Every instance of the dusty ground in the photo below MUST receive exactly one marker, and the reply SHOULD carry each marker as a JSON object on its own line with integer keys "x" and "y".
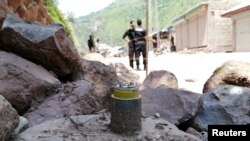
{"x": 191, "y": 70}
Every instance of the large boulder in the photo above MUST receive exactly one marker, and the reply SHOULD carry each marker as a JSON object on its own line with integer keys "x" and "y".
{"x": 95, "y": 57}
{"x": 175, "y": 106}
{"x": 96, "y": 73}
{"x": 125, "y": 76}
{"x": 78, "y": 98}
{"x": 160, "y": 78}
{"x": 8, "y": 118}
{"x": 230, "y": 73}
{"x": 226, "y": 105}
{"x": 45, "y": 45}
{"x": 96, "y": 128}
{"x": 23, "y": 83}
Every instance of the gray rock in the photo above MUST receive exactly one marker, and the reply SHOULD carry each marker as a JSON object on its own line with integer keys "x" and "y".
{"x": 202, "y": 135}
{"x": 78, "y": 98}
{"x": 160, "y": 126}
{"x": 96, "y": 73}
{"x": 124, "y": 75}
{"x": 175, "y": 106}
{"x": 23, "y": 124}
{"x": 143, "y": 114}
{"x": 226, "y": 105}
{"x": 230, "y": 73}
{"x": 23, "y": 83}
{"x": 86, "y": 128}
{"x": 8, "y": 118}
{"x": 46, "y": 45}
{"x": 160, "y": 78}
{"x": 157, "y": 115}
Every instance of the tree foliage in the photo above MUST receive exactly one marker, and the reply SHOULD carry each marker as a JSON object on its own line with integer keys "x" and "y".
{"x": 57, "y": 17}
{"x": 110, "y": 23}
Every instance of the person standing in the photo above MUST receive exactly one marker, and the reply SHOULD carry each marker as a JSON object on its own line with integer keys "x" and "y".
{"x": 140, "y": 44}
{"x": 129, "y": 37}
{"x": 91, "y": 44}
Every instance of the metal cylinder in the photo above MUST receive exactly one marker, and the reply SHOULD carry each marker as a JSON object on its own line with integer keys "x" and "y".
{"x": 126, "y": 111}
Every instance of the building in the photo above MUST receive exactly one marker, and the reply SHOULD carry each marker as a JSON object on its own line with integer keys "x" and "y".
{"x": 240, "y": 15}
{"x": 202, "y": 27}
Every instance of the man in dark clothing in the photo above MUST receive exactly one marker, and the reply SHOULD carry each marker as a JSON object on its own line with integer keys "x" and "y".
{"x": 91, "y": 43}
{"x": 129, "y": 37}
{"x": 140, "y": 44}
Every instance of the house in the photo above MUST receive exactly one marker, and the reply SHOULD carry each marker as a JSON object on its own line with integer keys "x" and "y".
{"x": 202, "y": 27}
{"x": 240, "y": 15}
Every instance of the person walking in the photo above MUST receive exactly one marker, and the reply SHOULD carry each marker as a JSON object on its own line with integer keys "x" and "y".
{"x": 129, "y": 37}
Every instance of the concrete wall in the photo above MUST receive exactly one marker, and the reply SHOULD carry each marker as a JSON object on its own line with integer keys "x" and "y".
{"x": 204, "y": 27}
{"x": 220, "y": 29}
{"x": 192, "y": 33}
{"x": 182, "y": 36}
{"x": 242, "y": 32}
{"x": 178, "y": 29}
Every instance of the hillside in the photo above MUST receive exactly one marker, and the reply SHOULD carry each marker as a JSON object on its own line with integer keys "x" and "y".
{"x": 110, "y": 23}
{"x": 57, "y": 17}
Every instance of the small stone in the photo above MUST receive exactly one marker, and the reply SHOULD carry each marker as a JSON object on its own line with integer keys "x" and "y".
{"x": 139, "y": 138}
{"x": 65, "y": 135}
{"x": 149, "y": 138}
{"x": 159, "y": 126}
{"x": 103, "y": 118}
{"x": 23, "y": 124}
{"x": 104, "y": 129}
{"x": 163, "y": 124}
{"x": 190, "y": 80}
{"x": 157, "y": 115}
{"x": 157, "y": 136}
{"x": 143, "y": 114}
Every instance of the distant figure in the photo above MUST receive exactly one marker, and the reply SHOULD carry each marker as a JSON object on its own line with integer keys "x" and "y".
{"x": 140, "y": 44}
{"x": 91, "y": 44}
{"x": 173, "y": 48}
{"x": 97, "y": 46}
{"x": 129, "y": 37}
{"x": 155, "y": 42}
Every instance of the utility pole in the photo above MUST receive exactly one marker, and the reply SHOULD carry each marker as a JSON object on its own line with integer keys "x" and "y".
{"x": 147, "y": 41}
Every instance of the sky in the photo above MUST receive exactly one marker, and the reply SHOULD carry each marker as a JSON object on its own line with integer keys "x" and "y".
{"x": 82, "y": 7}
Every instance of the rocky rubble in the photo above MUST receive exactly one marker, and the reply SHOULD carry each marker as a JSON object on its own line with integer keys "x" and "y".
{"x": 23, "y": 83}
{"x": 160, "y": 78}
{"x": 226, "y": 105}
{"x": 175, "y": 106}
{"x": 8, "y": 119}
{"x": 46, "y": 80}
{"x": 95, "y": 127}
{"x": 77, "y": 98}
{"x": 51, "y": 48}
{"x": 230, "y": 73}
{"x": 125, "y": 76}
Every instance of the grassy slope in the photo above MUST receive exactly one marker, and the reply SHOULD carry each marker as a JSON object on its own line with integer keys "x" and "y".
{"x": 58, "y": 17}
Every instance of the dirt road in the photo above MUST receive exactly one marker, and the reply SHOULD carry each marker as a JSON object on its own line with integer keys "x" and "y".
{"x": 191, "y": 70}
